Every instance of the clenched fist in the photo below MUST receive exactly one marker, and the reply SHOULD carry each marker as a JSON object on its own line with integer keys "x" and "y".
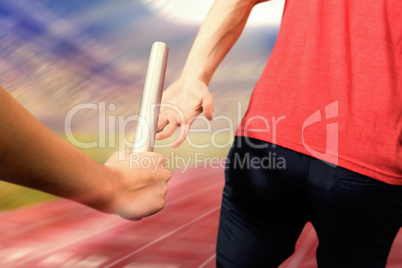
{"x": 138, "y": 184}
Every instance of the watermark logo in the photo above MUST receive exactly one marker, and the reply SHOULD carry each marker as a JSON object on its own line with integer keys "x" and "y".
{"x": 332, "y": 139}
{"x": 271, "y": 161}
{"x": 108, "y": 124}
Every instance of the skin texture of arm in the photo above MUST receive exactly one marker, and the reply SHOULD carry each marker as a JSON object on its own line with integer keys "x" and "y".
{"x": 33, "y": 156}
{"x": 189, "y": 95}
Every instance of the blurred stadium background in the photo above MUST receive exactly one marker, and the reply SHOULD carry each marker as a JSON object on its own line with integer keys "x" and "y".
{"x": 55, "y": 55}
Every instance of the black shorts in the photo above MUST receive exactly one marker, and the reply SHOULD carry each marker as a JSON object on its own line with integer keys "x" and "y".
{"x": 270, "y": 194}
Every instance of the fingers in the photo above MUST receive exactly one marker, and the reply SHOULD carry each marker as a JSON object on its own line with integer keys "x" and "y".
{"x": 150, "y": 198}
{"x": 182, "y": 136}
{"x": 208, "y": 105}
{"x": 146, "y": 203}
{"x": 162, "y": 122}
{"x": 137, "y": 184}
{"x": 167, "y": 131}
{"x": 142, "y": 189}
{"x": 170, "y": 118}
{"x": 155, "y": 167}
{"x": 164, "y": 173}
{"x": 183, "y": 101}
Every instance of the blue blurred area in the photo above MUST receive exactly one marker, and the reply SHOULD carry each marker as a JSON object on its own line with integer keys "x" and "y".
{"x": 57, "y": 54}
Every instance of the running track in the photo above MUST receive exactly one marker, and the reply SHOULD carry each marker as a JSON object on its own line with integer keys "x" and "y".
{"x": 66, "y": 234}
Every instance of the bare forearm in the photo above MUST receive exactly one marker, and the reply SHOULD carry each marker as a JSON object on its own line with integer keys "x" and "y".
{"x": 220, "y": 30}
{"x": 33, "y": 156}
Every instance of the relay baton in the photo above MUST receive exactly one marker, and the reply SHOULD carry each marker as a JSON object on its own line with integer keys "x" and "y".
{"x": 148, "y": 115}
{"x": 147, "y": 121}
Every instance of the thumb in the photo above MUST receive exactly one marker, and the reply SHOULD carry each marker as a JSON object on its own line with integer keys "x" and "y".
{"x": 208, "y": 105}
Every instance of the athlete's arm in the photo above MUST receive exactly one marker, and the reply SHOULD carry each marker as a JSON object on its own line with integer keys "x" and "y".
{"x": 221, "y": 28}
{"x": 33, "y": 156}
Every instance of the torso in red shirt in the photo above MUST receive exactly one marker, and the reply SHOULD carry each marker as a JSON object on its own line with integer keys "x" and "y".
{"x": 332, "y": 87}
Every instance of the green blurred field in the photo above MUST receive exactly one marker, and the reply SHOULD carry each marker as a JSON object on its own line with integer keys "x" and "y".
{"x": 213, "y": 148}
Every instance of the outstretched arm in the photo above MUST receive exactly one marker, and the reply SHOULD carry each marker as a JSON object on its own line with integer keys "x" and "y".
{"x": 189, "y": 95}
{"x": 33, "y": 156}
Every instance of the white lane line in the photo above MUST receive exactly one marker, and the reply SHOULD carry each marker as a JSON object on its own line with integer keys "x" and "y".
{"x": 207, "y": 261}
{"x": 304, "y": 247}
{"x": 162, "y": 237}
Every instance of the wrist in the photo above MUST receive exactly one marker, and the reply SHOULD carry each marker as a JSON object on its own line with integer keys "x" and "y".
{"x": 102, "y": 196}
{"x": 196, "y": 72}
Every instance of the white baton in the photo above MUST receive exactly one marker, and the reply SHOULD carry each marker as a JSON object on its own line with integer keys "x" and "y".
{"x": 147, "y": 121}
